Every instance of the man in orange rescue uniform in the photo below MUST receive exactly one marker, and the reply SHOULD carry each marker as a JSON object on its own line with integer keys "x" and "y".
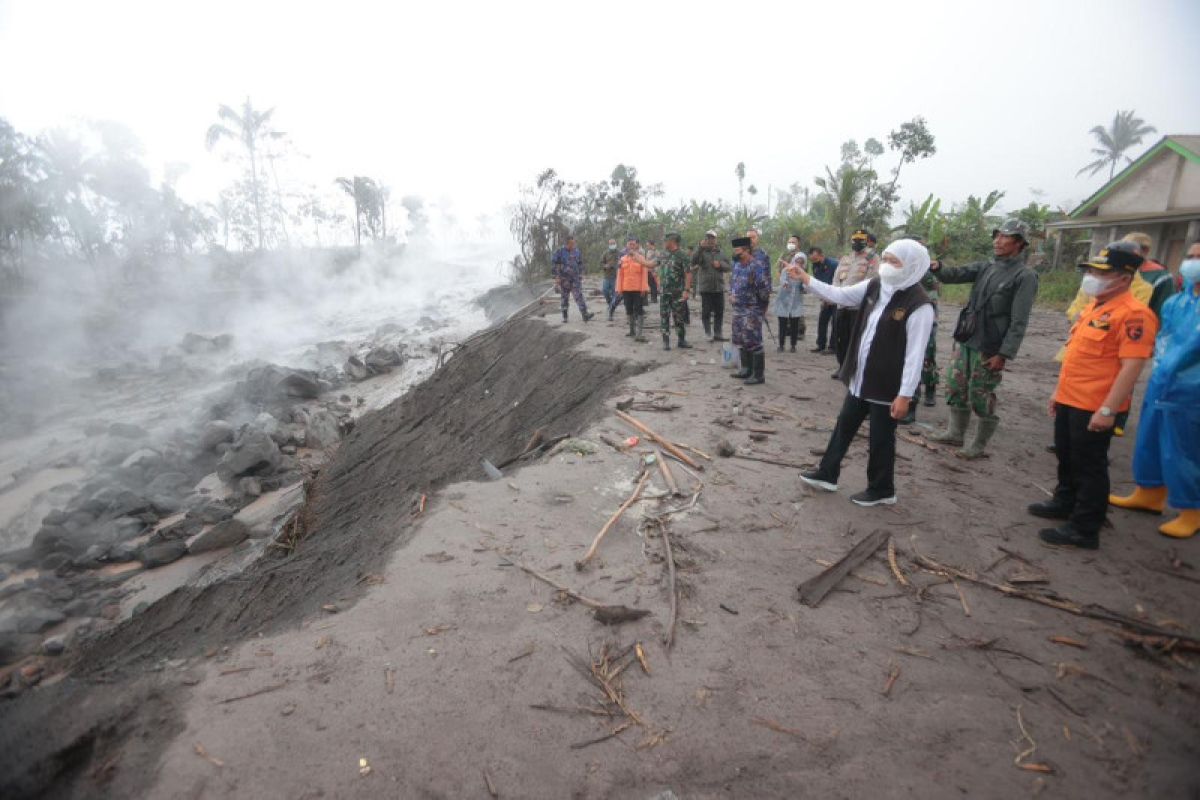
{"x": 1107, "y": 348}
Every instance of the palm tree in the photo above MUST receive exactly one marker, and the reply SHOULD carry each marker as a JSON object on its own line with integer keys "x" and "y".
{"x": 364, "y": 193}
{"x": 740, "y": 171}
{"x": 1126, "y": 132}
{"x": 842, "y": 193}
{"x": 250, "y": 127}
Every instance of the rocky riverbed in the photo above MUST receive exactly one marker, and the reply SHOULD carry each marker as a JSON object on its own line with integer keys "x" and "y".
{"x": 168, "y": 464}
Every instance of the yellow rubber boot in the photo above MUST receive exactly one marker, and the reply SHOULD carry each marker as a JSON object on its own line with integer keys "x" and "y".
{"x": 1183, "y": 526}
{"x": 1142, "y": 499}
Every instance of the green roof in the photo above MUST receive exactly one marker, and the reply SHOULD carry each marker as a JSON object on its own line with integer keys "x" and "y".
{"x": 1186, "y": 146}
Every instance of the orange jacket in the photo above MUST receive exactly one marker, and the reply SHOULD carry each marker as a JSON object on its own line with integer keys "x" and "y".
{"x": 633, "y": 277}
{"x": 1124, "y": 327}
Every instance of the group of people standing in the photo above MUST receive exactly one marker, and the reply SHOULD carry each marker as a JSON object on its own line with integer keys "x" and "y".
{"x": 878, "y": 317}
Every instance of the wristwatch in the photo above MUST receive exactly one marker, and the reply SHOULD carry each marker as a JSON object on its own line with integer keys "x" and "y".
{"x": 1105, "y": 411}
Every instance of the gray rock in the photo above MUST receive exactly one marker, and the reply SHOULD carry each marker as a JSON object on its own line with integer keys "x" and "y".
{"x": 167, "y": 483}
{"x": 36, "y": 620}
{"x": 250, "y": 487}
{"x": 302, "y": 383}
{"x": 223, "y": 534}
{"x": 54, "y": 645}
{"x": 121, "y": 552}
{"x": 55, "y": 561}
{"x": 271, "y": 427}
{"x": 210, "y": 512}
{"x": 254, "y": 453}
{"x": 216, "y": 432}
{"x": 355, "y": 369}
{"x": 382, "y": 359}
{"x": 126, "y": 430}
{"x": 263, "y": 515}
{"x": 322, "y": 430}
{"x": 143, "y": 459}
{"x": 92, "y": 558}
{"x": 160, "y": 554}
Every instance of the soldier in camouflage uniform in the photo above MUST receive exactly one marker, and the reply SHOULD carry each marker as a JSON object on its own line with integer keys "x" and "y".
{"x": 750, "y": 289}
{"x": 1001, "y": 301}
{"x": 608, "y": 266}
{"x": 567, "y": 268}
{"x": 675, "y": 287}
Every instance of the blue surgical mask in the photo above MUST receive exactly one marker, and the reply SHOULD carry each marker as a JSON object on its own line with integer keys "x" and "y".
{"x": 1189, "y": 270}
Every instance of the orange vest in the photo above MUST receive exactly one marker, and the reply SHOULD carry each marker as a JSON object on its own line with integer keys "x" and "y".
{"x": 633, "y": 277}
{"x": 1123, "y": 327}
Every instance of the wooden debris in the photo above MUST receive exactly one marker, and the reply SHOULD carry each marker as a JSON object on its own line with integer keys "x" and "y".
{"x": 610, "y": 735}
{"x": 1069, "y": 642}
{"x": 667, "y": 444}
{"x": 891, "y": 556}
{"x": 235, "y": 670}
{"x": 200, "y": 751}
{"x": 669, "y": 634}
{"x": 256, "y": 693}
{"x": 389, "y": 678}
{"x": 962, "y": 598}
{"x": 893, "y": 674}
{"x": 1090, "y": 611}
{"x": 591, "y": 551}
{"x": 641, "y": 657}
{"x": 813, "y": 591}
{"x": 608, "y": 614}
{"x": 491, "y": 786}
{"x": 728, "y": 609}
{"x": 1028, "y": 751}
{"x": 772, "y": 725}
{"x": 762, "y": 460}
{"x": 665, "y": 469}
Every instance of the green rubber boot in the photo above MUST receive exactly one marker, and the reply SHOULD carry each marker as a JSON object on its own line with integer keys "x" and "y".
{"x": 954, "y": 434}
{"x": 983, "y": 434}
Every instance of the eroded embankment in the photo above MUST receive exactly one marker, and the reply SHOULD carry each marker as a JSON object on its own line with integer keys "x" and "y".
{"x": 73, "y": 738}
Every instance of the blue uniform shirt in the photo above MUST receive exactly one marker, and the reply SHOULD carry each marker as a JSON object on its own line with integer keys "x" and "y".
{"x": 567, "y": 263}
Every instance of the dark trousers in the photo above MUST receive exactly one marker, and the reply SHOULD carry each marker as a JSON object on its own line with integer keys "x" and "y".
{"x": 653, "y": 287}
{"x": 843, "y": 329}
{"x": 633, "y": 304}
{"x": 1082, "y": 467}
{"x": 789, "y": 326}
{"x": 823, "y": 326}
{"x": 712, "y": 307}
{"x": 881, "y": 462}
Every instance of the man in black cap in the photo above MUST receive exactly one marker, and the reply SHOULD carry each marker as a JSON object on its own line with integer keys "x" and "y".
{"x": 860, "y": 264}
{"x": 750, "y": 288}
{"x": 989, "y": 332}
{"x": 711, "y": 267}
{"x": 823, "y": 269}
{"x": 1106, "y": 350}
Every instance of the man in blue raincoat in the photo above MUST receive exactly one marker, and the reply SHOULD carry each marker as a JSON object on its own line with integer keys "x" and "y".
{"x": 1166, "y": 460}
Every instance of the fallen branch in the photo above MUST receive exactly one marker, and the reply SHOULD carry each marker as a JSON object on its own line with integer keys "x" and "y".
{"x": 591, "y": 551}
{"x": 893, "y": 675}
{"x": 608, "y": 614}
{"x": 772, "y": 725}
{"x": 891, "y": 556}
{"x": 814, "y": 590}
{"x": 774, "y": 461}
{"x": 668, "y": 478}
{"x": 669, "y": 636}
{"x": 1090, "y": 611}
{"x": 667, "y": 444}
{"x": 610, "y": 735}
{"x": 271, "y": 688}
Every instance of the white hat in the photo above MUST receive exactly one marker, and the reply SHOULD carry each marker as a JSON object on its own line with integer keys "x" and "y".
{"x": 711, "y": 233}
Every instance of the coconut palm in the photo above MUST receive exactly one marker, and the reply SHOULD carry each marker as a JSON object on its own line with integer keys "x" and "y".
{"x": 250, "y": 127}
{"x": 1126, "y": 132}
{"x": 365, "y": 194}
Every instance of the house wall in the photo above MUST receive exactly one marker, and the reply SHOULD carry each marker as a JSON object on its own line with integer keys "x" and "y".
{"x": 1148, "y": 190}
{"x": 1187, "y": 192}
{"x": 1170, "y": 239}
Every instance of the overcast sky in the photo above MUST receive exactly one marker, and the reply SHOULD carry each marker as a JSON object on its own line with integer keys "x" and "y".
{"x": 467, "y": 100}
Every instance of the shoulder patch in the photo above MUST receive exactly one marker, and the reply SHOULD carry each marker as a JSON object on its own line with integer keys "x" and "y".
{"x": 898, "y": 314}
{"x": 1134, "y": 329}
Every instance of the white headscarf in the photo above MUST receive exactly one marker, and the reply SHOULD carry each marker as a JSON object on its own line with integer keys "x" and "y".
{"x": 915, "y": 260}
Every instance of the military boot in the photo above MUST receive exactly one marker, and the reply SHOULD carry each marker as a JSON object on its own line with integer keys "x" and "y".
{"x": 641, "y": 325}
{"x": 717, "y": 337}
{"x": 957, "y": 430}
{"x": 632, "y": 326}
{"x": 587, "y": 316}
{"x": 930, "y": 395}
{"x": 682, "y": 342}
{"x": 747, "y": 366}
{"x": 759, "y": 362}
{"x": 666, "y": 341}
{"x": 564, "y": 315}
{"x": 707, "y": 329}
{"x": 976, "y": 449}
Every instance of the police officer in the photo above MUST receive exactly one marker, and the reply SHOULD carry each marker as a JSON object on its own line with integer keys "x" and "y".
{"x": 1107, "y": 348}
{"x": 711, "y": 267}
{"x": 567, "y": 268}
{"x": 675, "y": 287}
{"x": 989, "y": 332}
{"x": 860, "y": 264}
{"x": 750, "y": 288}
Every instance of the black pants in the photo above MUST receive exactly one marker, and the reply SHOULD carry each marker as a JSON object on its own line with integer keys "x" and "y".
{"x": 881, "y": 462}
{"x": 789, "y": 326}
{"x": 653, "y": 287}
{"x": 823, "y": 327}
{"x": 843, "y": 328}
{"x": 633, "y": 304}
{"x": 1082, "y": 468}
{"x": 712, "y": 307}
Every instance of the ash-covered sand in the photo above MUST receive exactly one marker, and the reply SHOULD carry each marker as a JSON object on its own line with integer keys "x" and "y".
{"x": 425, "y": 668}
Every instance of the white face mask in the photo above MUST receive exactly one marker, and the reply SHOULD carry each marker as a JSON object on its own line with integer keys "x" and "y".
{"x": 1093, "y": 285}
{"x": 1189, "y": 270}
{"x": 890, "y": 274}
{"x": 791, "y": 246}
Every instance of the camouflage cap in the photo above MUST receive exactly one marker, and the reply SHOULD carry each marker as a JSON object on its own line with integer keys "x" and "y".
{"x": 1126, "y": 256}
{"x": 1012, "y": 227}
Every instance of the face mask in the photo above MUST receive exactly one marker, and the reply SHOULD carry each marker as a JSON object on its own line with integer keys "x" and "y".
{"x": 1189, "y": 270}
{"x": 1093, "y": 285}
{"x": 890, "y": 274}
{"x": 612, "y": 247}
{"x": 791, "y": 246}
{"x": 858, "y": 247}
